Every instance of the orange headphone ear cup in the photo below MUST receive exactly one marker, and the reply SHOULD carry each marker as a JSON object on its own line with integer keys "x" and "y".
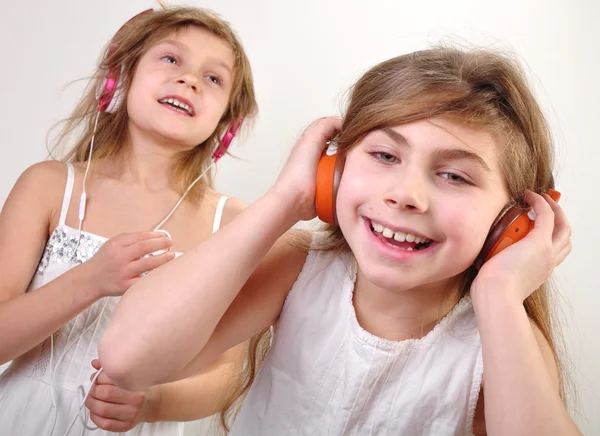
{"x": 511, "y": 227}
{"x": 329, "y": 173}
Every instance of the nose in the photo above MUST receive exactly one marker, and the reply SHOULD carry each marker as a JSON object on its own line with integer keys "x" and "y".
{"x": 407, "y": 192}
{"x": 188, "y": 79}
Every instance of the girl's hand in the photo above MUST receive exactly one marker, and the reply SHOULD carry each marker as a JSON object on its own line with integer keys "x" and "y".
{"x": 114, "y": 409}
{"x": 296, "y": 183}
{"x": 526, "y": 265}
{"x": 122, "y": 259}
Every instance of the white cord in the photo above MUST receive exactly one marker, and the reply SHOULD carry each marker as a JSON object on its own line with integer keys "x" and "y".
{"x": 53, "y": 373}
{"x": 83, "y": 402}
{"x": 182, "y": 197}
{"x": 83, "y": 200}
{"x": 81, "y": 216}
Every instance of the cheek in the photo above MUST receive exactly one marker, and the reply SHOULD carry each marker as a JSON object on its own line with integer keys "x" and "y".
{"x": 138, "y": 97}
{"x": 355, "y": 188}
{"x": 468, "y": 227}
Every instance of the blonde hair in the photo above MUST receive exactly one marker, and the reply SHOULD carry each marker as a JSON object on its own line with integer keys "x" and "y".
{"x": 479, "y": 87}
{"x": 123, "y": 53}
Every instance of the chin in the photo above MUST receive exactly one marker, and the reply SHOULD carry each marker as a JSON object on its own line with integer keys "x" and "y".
{"x": 183, "y": 140}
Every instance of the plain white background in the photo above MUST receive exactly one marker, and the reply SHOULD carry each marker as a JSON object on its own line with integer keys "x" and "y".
{"x": 304, "y": 56}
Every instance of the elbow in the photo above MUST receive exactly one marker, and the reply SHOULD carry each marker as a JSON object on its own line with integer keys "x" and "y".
{"x": 120, "y": 365}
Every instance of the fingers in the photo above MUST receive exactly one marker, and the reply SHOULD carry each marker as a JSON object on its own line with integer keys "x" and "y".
{"x": 109, "y": 393}
{"x": 561, "y": 237}
{"x": 101, "y": 380}
{"x": 552, "y": 221}
{"x": 544, "y": 215}
{"x": 111, "y": 425}
{"x": 144, "y": 247}
{"x": 150, "y": 263}
{"x": 128, "y": 239}
{"x": 562, "y": 228}
{"x": 112, "y": 408}
{"x": 319, "y": 132}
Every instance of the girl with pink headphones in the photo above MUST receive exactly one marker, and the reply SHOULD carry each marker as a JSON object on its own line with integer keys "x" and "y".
{"x": 132, "y": 193}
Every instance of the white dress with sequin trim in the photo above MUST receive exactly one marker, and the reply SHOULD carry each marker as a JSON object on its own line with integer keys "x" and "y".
{"x": 26, "y": 396}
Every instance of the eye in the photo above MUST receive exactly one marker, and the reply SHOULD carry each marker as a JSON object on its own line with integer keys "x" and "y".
{"x": 384, "y": 157}
{"x": 170, "y": 59}
{"x": 454, "y": 178}
{"x": 215, "y": 79}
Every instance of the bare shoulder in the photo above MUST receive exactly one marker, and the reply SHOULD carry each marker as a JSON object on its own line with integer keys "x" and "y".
{"x": 40, "y": 186}
{"x": 46, "y": 174}
{"x": 25, "y": 222}
{"x": 233, "y": 207}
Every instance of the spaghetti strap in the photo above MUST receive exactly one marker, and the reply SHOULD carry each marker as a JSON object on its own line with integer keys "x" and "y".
{"x": 68, "y": 192}
{"x": 219, "y": 213}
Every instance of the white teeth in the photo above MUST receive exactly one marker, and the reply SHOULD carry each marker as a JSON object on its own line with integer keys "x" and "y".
{"x": 409, "y": 249}
{"x": 178, "y": 104}
{"x": 398, "y": 236}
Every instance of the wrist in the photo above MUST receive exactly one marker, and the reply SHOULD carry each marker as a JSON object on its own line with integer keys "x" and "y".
{"x": 285, "y": 208}
{"x": 88, "y": 287}
{"x": 151, "y": 407}
{"x": 495, "y": 296}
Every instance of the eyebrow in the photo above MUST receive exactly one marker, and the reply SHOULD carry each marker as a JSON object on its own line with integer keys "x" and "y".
{"x": 395, "y": 136}
{"x": 441, "y": 153}
{"x": 184, "y": 47}
{"x": 461, "y": 154}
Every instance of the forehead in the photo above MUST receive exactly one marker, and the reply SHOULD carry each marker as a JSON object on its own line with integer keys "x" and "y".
{"x": 197, "y": 40}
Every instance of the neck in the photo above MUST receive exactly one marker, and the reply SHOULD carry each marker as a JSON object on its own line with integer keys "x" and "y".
{"x": 401, "y": 315}
{"x": 147, "y": 161}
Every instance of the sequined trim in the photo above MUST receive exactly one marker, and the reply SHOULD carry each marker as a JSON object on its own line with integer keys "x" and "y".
{"x": 60, "y": 248}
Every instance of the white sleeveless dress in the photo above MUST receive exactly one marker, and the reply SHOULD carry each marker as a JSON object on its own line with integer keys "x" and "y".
{"x": 325, "y": 375}
{"x": 26, "y": 397}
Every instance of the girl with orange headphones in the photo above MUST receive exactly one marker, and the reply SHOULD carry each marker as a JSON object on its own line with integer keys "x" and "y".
{"x": 407, "y": 314}
{"x": 132, "y": 194}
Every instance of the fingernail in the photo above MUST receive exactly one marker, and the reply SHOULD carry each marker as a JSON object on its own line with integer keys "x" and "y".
{"x": 531, "y": 214}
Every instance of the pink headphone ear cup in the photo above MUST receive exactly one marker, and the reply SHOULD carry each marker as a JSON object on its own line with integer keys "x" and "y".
{"x": 110, "y": 94}
{"x": 115, "y": 102}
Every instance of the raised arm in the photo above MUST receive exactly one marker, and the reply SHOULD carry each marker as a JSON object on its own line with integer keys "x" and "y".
{"x": 521, "y": 384}
{"x": 178, "y": 319}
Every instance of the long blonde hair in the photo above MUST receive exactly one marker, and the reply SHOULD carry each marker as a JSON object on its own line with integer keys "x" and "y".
{"x": 123, "y": 53}
{"x": 479, "y": 87}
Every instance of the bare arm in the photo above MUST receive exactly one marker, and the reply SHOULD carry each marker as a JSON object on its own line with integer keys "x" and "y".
{"x": 201, "y": 395}
{"x": 202, "y": 284}
{"x": 521, "y": 392}
{"x": 27, "y": 319}
{"x": 479, "y": 426}
{"x": 521, "y": 378}
{"x": 221, "y": 293}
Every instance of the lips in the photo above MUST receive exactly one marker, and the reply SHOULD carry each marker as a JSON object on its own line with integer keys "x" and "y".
{"x": 179, "y": 104}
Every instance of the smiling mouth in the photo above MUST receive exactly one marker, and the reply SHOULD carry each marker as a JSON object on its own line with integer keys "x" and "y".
{"x": 400, "y": 240}
{"x": 178, "y": 105}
